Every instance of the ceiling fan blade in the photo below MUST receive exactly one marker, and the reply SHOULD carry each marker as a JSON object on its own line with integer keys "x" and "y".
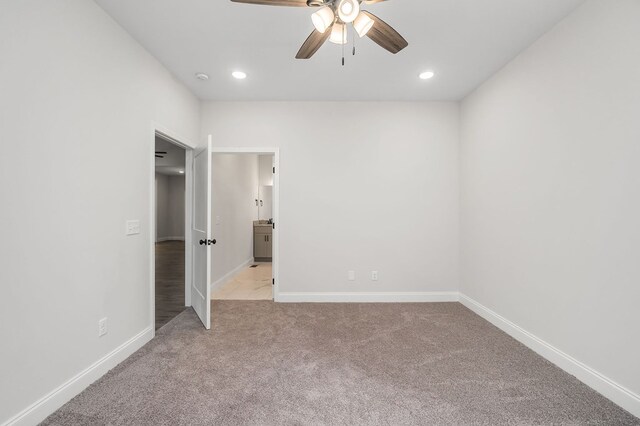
{"x": 313, "y": 43}
{"x": 383, "y": 34}
{"x": 159, "y": 156}
{"x": 161, "y": 152}
{"x": 293, "y": 3}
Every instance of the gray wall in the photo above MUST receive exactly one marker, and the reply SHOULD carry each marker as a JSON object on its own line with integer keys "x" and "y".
{"x": 375, "y": 190}
{"x": 170, "y": 208}
{"x": 235, "y": 188}
{"x": 551, "y": 190}
{"x": 78, "y": 99}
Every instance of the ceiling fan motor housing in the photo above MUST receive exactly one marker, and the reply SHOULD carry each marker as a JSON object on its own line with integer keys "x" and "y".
{"x": 314, "y": 3}
{"x": 319, "y": 3}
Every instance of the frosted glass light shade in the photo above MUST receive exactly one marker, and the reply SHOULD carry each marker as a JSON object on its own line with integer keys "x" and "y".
{"x": 338, "y": 34}
{"x": 348, "y": 10}
{"x": 323, "y": 19}
{"x": 363, "y": 24}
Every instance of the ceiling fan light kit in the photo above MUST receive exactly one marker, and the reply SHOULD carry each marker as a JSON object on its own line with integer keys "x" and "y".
{"x": 331, "y": 23}
{"x": 338, "y": 34}
{"x": 363, "y": 24}
{"x": 323, "y": 19}
{"x": 348, "y": 10}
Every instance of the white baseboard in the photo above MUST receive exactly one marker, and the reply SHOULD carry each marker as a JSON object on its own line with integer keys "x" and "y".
{"x": 163, "y": 239}
{"x": 381, "y": 297}
{"x": 231, "y": 274}
{"x": 55, "y": 399}
{"x": 620, "y": 395}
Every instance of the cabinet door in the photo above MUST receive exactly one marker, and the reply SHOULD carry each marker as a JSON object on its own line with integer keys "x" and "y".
{"x": 259, "y": 248}
{"x": 269, "y": 246}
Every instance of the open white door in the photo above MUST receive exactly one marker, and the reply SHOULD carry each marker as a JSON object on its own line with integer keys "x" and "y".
{"x": 201, "y": 236}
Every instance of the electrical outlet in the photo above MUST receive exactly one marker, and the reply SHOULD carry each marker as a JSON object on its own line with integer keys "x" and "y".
{"x": 133, "y": 227}
{"x": 102, "y": 327}
{"x": 374, "y": 275}
{"x": 351, "y": 275}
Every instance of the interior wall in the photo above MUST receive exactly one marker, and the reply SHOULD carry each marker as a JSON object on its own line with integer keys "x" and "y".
{"x": 170, "y": 208}
{"x": 265, "y": 170}
{"x": 177, "y": 187}
{"x": 550, "y": 190}
{"x": 79, "y": 96}
{"x": 162, "y": 203}
{"x": 234, "y": 191}
{"x": 265, "y": 210}
{"x": 364, "y": 187}
{"x": 265, "y": 166}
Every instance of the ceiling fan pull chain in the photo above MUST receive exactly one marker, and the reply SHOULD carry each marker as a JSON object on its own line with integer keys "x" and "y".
{"x": 354, "y": 43}
{"x": 344, "y": 37}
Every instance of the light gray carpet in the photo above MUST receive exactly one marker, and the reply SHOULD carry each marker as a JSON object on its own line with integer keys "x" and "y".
{"x": 335, "y": 364}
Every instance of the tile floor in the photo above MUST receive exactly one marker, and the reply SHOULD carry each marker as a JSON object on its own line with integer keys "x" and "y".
{"x": 250, "y": 284}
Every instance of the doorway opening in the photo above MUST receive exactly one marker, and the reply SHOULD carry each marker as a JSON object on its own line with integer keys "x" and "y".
{"x": 170, "y": 230}
{"x": 244, "y": 208}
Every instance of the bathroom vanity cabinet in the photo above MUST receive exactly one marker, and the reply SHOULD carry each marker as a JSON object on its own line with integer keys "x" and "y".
{"x": 262, "y": 241}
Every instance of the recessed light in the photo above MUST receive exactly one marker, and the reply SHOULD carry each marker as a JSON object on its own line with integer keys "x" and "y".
{"x": 181, "y": 172}
{"x": 427, "y": 75}
{"x": 239, "y": 75}
{"x": 202, "y": 76}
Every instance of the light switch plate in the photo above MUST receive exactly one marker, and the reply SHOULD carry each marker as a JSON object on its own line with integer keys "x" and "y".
{"x": 102, "y": 327}
{"x": 374, "y": 275}
{"x": 351, "y": 275}
{"x": 133, "y": 227}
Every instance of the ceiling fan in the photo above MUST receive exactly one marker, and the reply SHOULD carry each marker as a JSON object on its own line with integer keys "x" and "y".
{"x": 161, "y": 154}
{"x": 331, "y": 21}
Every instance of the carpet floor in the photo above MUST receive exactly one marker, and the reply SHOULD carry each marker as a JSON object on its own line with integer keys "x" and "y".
{"x": 337, "y": 364}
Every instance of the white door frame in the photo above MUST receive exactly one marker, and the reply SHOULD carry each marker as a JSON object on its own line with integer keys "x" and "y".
{"x": 189, "y": 147}
{"x": 275, "y": 261}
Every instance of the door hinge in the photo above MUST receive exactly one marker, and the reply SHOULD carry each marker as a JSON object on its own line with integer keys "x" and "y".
{"x": 274, "y": 225}
{"x": 273, "y": 281}
{"x": 274, "y": 170}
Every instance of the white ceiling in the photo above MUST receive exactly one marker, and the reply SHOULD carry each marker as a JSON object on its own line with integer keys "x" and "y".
{"x": 463, "y": 41}
{"x": 174, "y": 159}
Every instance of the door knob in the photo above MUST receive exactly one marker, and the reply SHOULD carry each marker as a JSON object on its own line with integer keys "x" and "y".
{"x": 207, "y": 242}
{"x": 212, "y": 241}
{"x": 203, "y": 242}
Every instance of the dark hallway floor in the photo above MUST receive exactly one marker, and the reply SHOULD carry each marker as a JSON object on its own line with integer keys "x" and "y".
{"x": 169, "y": 281}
